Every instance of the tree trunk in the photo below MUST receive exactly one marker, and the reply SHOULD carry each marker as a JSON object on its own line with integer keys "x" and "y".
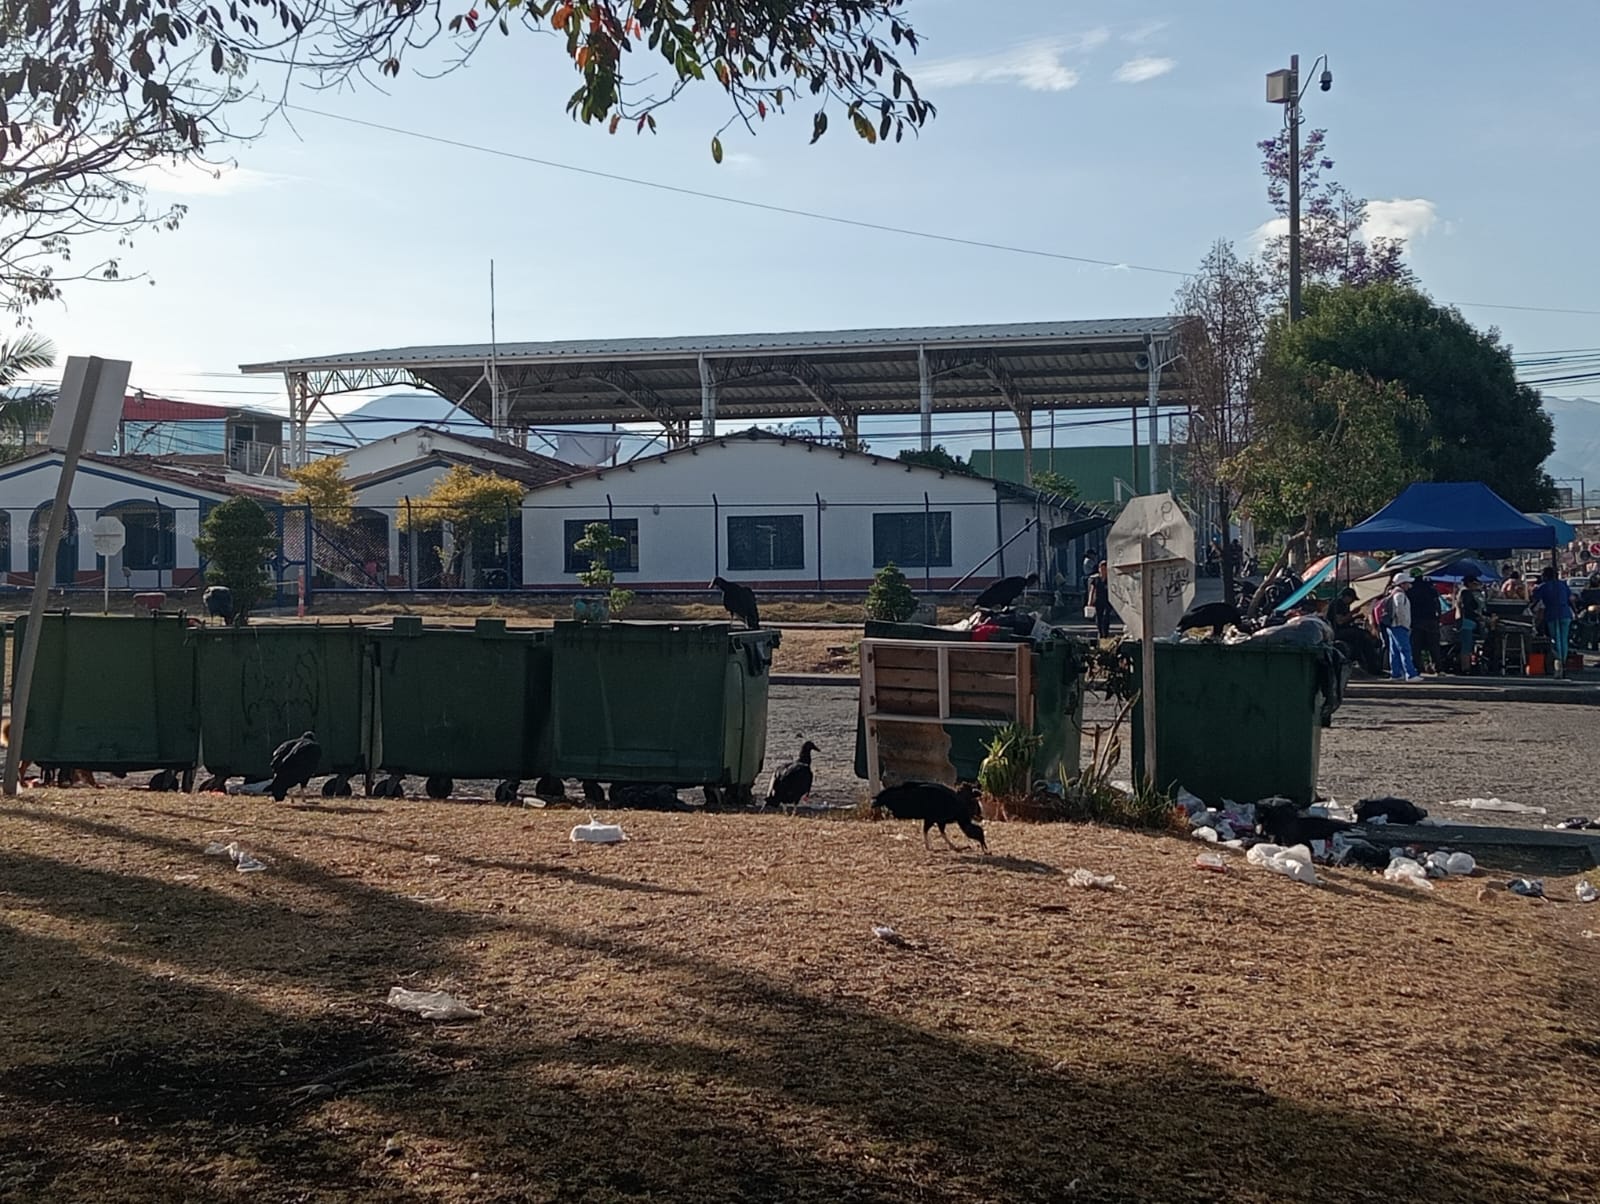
{"x": 1296, "y": 541}
{"x": 1225, "y": 519}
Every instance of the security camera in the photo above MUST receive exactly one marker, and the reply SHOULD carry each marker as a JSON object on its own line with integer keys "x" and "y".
{"x": 1142, "y": 362}
{"x": 1327, "y": 79}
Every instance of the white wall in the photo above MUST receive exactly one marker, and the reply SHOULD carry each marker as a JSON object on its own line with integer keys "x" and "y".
{"x": 389, "y": 497}
{"x": 676, "y": 545}
{"x": 27, "y": 485}
{"x": 400, "y": 449}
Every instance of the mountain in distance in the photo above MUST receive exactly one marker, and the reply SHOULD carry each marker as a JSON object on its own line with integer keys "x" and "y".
{"x": 1577, "y": 453}
{"x": 394, "y": 414}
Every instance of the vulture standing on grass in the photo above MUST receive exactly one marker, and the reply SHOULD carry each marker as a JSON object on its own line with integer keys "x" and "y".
{"x": 792, "y": 782}
{"x": 293, "y": 764}
{"x": 1005, "y": 591}
{"x": 936, "y": 805}
{"x": 739, "y": 601}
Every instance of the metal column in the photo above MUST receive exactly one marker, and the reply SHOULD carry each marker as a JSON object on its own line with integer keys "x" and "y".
{"x": 1156, "y": 353}
{"x": 925, "y": 395}
{"x": 708, "y": 399}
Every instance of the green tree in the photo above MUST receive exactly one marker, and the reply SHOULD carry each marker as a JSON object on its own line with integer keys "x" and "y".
{"x": 1480, "y": 424}
{"x": 889, "y": 598}
{"x": 937, "y": 457}
{"x": 322, "y": 486}
{"x": 1329, "y": 457}
{"x": 237, "y": 539}
{"x": 600, "y": 541}
{"x": 24, "y": 413}
{"x": 476, "y": 506}
{"x": 1048, "y": 480}
{"x": 93, "y": 97}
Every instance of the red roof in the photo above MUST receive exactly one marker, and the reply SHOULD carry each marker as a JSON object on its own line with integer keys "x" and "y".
{"x": 142, "y": 407}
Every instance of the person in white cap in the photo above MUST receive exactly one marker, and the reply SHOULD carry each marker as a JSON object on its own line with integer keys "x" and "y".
{"x": 1394, "y": 616}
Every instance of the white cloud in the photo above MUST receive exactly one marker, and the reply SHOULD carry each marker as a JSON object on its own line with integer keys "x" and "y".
{"x": 742, "y": 161}
{"x": 1140, "y": 70}
{"x": 1035, "y": 65}
{"x": 1400, "y": 218}
{"x": 1144, "y": 31}
{"x": 198, "y": 179}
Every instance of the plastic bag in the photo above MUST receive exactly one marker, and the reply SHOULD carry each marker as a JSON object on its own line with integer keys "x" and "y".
{"x": 431, "y": 1005}
{"x": 1191, "y": 803}
{"x": 1209, "y": 835}
{"x": 1090, "y": 880}
{"x": 1530, "y": 888}
{"x": 1212, "y": 862}
{"x": 1407, "y": 871}
{"x": 1291, "y": 863}
{"x": 1451, "y": 864}
{"x": 1586, "y": 892}
{"x": 595, "y": 832}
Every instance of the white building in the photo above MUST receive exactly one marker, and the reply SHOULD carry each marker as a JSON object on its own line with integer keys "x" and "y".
{"x": 792, "y": 514}
{"x": 161, "y": 507}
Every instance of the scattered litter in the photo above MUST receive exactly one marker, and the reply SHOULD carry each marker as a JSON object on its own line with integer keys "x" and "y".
{"x": 1589, "y": 934}
{"x": 251, "y": 787}
{"x": 248, "y": 864}
{"x": 216, "y": 849}
{"x": 595, "y": 832}
{"x": 1496, "y": 804}
{"x": 1189, "y": 802}
{"x": 1586, "y": 892}
{"x": 186, "y": 877}
{"x": 890, "y": 937}
{"x": 1408, "y": 871}
{"x": 1090, "y": 880}
{"x": 430, "y": 859}
{"x": 1209, "y": 835}
{"x": 1451, "y": 864}
{"x": 1393, "y": 810}
{"x": 431, "y": 1005}
{"x": 1291, "y": 863}
{"x": 1211, "y": 861}
{"x": 1578, "y": 823}
{"x": 1530, "y": 888}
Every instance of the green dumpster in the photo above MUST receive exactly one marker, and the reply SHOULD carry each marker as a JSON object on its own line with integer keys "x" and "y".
{"x": 1235, "y": 721}
{"x": 683, "y": 704}
{"x": 259, "y": 686}
{"x": 111, "y": 693}
{"x": 1057, "y": 714}
{"x": 455, "y": 703}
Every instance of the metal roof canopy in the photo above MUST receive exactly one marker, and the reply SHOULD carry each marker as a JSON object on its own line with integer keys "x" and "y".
{"x": 843, "y": 375}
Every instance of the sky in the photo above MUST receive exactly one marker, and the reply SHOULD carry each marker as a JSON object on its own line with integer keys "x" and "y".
{"x": 1121, "y": 130}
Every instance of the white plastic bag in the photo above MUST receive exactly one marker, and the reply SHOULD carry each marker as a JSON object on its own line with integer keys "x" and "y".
{"x": 1291, "y": 863}
{"x": 1451, "y": 864}
{"x": 595, "y": 832}
{"x": 1586, "y": 892}
{"x": 1090, "y": 880}
{"x": 1209, "y": 835}
{"x": 431, "y": 1005}
{"x": 1406, "y": 870}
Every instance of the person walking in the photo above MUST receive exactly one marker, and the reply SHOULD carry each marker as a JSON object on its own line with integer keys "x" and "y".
{"x": 1395, "y": 617}
{"x": 1100, "y": 599}
{"x": 1469, "y": 618}
{"x": 1553, "y": 596}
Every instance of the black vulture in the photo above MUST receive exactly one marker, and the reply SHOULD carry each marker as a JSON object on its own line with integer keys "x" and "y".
{"x": 792, "y": 782}
{"x": 936, "y": 805}
{"x": 1005, "y": 591}
{"x": 1215, "y": 615}
{"x": 1284, "y": 823}
{"x": 739, "y": 601}
{"x": 293, "y": 764}
{"x": 1394, "y": 810}
{"x": 218, "y": 601}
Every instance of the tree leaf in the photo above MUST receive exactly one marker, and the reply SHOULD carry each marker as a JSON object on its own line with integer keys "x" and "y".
{"x": 819, "y": 126}
{"x": 716, "y": 150}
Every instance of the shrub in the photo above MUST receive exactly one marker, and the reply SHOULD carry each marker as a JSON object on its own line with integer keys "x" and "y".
{"x": 237, "y": 539}
{"x": 890, "y": 599}
{"x": 599, "y": 541}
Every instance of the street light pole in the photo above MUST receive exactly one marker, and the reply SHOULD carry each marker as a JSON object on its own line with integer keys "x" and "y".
{"x": 1283, "y": 87}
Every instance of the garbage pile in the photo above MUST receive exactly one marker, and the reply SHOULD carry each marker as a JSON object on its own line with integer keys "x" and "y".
{"x": 1285, "y": 839}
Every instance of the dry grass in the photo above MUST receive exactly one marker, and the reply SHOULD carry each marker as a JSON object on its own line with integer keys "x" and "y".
{"x": 703, "y": 1014}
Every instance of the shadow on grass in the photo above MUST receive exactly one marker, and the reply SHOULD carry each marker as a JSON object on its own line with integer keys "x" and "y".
{"x": 128, "y": 1082}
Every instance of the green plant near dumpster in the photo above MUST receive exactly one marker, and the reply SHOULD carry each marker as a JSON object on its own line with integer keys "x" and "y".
{"x": 236, "y": 539}
{"x": 599, "y": 542}
{"x": 889, "y": 599}
{"x": 1006, "y": 772}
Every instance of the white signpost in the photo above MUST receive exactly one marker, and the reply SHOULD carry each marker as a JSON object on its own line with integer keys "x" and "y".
{"x": 1150, "y": 563}
{"x": 109, "y": 537}
{"x": 91, "y": 396}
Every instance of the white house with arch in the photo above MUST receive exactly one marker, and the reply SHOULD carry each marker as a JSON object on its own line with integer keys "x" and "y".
{"x": 161, "y": 507}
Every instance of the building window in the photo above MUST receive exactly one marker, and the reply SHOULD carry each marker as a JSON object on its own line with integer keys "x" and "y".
{"x": 913, "y": 540}
{"x": 767, "y": 541}
{"x": 152, "y": 540}
{"x": 624, "y": 560}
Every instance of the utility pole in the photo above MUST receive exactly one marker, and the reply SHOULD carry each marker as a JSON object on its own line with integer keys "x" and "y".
{"x": 1283, "y": 87}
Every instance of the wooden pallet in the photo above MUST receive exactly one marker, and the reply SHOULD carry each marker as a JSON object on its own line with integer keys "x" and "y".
{"x": 930, "y": 686}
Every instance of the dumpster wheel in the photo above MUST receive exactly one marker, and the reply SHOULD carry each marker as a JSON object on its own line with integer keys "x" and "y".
{"x": 392, "y": 786}
{"x": 217, "y": 783}
{"x": 508, "y": 791}
{"x": 550, "y": 787}
{"x": 713, "y": 798}
{"x": 337, "y": 786}
{"x": 439, "y": 786}
{"x": 593, "y": 791}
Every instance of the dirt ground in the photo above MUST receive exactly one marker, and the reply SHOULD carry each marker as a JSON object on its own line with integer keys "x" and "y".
{"x": 704, "y": 1013}
{"x": 1534, "y": 754}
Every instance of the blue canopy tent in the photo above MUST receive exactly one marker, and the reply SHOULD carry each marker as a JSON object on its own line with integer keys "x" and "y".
{"x": 1462, "y": 514}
